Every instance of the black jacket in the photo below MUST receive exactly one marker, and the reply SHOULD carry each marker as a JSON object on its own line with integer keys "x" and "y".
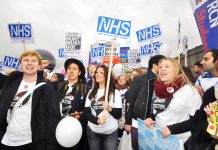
{"x": 45, "y": 110}
{"x": 79, "y": 95}
{"x": 139, "y": 97}
{"x": 79, "y": 92}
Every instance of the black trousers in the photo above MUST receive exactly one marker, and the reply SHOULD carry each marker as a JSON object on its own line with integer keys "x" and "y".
{"x": 22, "y": 147}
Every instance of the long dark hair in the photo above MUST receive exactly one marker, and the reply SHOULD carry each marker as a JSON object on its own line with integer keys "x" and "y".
{"x": 94, "y": 91}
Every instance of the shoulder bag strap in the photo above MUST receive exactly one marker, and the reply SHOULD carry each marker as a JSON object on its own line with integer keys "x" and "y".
{"x": 20, "y": 101}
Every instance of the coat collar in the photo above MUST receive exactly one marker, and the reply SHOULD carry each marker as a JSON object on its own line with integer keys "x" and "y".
{"x": 19, "y": 76}
{"x": 151, "y": 74}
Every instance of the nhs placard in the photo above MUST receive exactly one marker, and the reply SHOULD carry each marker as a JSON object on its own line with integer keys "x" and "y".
{"x": 97, "y": 52}
{"x": 1, "y": 66}
{"x": 21, "y": 32}
{"x": 148, "y": 33}
{"x": 11, "y": 62}
{"x": 113, "y": 27}
{"x": 147, "y": 49}
{"x": 61, "y": 52}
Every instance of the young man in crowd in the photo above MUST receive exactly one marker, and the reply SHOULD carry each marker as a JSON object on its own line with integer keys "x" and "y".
{"x": 210, "y": 77}
{"x": 139, "y": 97}
{"x": 29, "y": 124}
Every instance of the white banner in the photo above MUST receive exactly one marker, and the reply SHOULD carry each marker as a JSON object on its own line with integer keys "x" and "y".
{"x": 72, "y": 45}
{"x": 21, "y": 33}
{"x": 134, "y": 60}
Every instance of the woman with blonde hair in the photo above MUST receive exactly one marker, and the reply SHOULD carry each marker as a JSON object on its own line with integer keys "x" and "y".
{"x": 176, "y": 100}
{"x": 135, "y": 73}
{"x": 122, "y": 86}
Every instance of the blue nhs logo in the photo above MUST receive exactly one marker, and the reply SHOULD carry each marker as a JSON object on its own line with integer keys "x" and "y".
{"x": 97, "y": 52}
{"x": 20, "y": 30}
{"x": 61, "y": 52}
{"x": 148, "y": 33}
{"x": 11, "y": 62}
{"x": 147, "y": 49}
{"x": 114, "y": 26}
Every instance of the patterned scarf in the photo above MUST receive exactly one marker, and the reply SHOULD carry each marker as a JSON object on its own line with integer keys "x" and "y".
{"x": 167, "y": 90}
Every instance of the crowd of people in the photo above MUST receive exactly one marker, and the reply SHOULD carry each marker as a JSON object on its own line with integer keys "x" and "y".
{"x": 166, "y": 95}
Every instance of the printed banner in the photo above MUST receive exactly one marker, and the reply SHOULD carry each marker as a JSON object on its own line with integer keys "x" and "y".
{"x": 185, "y": 44}
{"x": 108, "y": 28}
{"x": 1, "y": 67}
{"x": 61, "y": 53}
{"x": 151, "y": 139}
{"x": 124, "y": 54}
{"x": 149, "y": 49}
{"x": 148, "y": 33}
{"x": 107, "y": 53}
{"x": 73, "y": 45}
{"x": 148, "y": 40}
{"x": 97, "y": 53}
{"x": 134, "y": 60}
{"x": 21, "y": 33}
{"x": 11, "y": 62}
{"x": 206, "y": 16}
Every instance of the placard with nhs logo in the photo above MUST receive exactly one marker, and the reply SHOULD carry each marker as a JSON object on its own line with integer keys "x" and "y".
{"x": 108, "y": 28}
{"x": 149, "y": 40}
{"x": 11, "y": 62}
{"x": 1, "y": 67}
{"x": 20, "y": 33}
{"x": 97, "y": 52}
{"x": 152, "y": 139}
{"x": 61, "y": 53}
{"x": 148, "y": 33}
{"x": 148, "y": 49}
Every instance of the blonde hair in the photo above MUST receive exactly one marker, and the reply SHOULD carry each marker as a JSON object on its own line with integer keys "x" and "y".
{"x": 31, "y": 53}
{"x": 138, "y": 71}
{"x": 90, "y": 66}
{"x": 125, "y": 76}
{"x": 178, "y": 72}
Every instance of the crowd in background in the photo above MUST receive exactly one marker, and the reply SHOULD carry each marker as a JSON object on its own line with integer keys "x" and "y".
{"x": 166, "y": 95}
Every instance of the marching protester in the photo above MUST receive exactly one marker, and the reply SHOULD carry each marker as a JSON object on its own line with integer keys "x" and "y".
{"x": 29, "y": 108}
{"x": 210, "y": 77}
{"x": 198, "y": 124}
{"x": 176, "y": 100}
{"x": 201, "y": 139}
{"x": 189, "y": 74}
{"x": 135, "y": 73}
{"x": 91, "y": 71}
{"x": 122, "y": 85}
{"x": 139, "y": 97}
{"x": 198, "y": 69}
{"x": 72, "y": 94}
{"x": 56, "y": 77}
{"x": 102, "y": 130}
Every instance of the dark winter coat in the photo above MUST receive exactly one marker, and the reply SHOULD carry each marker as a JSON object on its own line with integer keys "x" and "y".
{"x": 45, "y": 110}
{"x": 139, "y": 97}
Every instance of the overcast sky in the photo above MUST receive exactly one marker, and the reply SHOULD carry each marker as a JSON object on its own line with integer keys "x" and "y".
{"x": 51, "y": 19}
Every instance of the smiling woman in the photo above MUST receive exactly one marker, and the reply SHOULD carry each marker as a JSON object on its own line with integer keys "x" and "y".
{"x": 176, "y": 100}
{"x": 102, "y": 130}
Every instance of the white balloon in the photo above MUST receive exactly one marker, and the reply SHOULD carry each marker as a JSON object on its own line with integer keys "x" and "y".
{"x": 118, "y": 70}
{"x": 68, "y": 132}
